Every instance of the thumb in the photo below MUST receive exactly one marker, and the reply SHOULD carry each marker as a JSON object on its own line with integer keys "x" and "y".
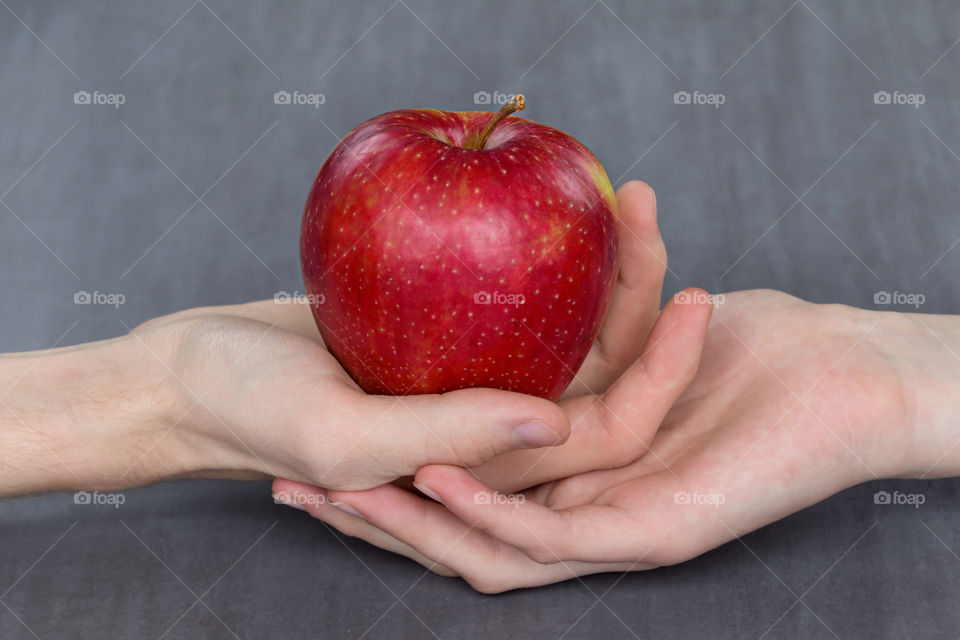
{"x": 670, "y": 361}
{"x": 464, "y": 428}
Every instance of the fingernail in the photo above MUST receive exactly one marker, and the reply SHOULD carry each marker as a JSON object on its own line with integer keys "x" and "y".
{"x": 287, "y": 500}
{"x": 343, "y": 506}
{"x": 534, "y": 434}
{"x": 427, "y": 491}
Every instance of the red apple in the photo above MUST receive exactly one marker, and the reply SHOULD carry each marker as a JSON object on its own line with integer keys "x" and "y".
{"x": 445, "y": 250}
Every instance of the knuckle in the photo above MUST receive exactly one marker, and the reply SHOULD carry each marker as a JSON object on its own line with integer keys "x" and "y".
{"x": 349, "y": 528}
{"x": 474, "y": 456}
{"x": 666, "y": 557}
{"x": 488, "y": 585}
{"x": 558, "y": 548}
{"x": 620, "y": 443}
{"x": 660, "y": 252}
{"x": 671, "y": 551}
{"x": 442, "y": 570}
{"x": 543, "y": 555}
{"x": 470, "y": 450}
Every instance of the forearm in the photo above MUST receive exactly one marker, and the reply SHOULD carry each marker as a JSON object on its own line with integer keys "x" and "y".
{"x": 87, "y": 417}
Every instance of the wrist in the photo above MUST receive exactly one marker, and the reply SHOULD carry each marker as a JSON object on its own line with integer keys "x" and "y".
{"x": 203, "y": 437}
{"x": 928, "y": 352}
{"x": 88, "y": 417}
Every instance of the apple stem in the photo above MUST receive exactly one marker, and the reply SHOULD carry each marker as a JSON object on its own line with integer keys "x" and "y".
{"x": 516, "y": 103}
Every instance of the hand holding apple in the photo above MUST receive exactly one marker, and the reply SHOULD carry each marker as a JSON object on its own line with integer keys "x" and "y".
{"x": 257, "y": 395}
{"x": 791, "y": 403}
{"x": 248, "y": 391}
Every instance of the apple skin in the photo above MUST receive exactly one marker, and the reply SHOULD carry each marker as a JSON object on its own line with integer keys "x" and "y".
{"x": 405, "y": 229}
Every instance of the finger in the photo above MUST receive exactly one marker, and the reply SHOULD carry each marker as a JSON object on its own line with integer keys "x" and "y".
{"x": 636, "y": 298}
{"x": 671, "y": 357}
{"x": 314, "y": 501}
{"x": 465, "y": 428}
{"x": 490, "y": 566}
{"x": 616, "y": 428}
{"x": 586, "y": 533}
{"x": 424, "y": 531}
{"x": 643, "y": 263}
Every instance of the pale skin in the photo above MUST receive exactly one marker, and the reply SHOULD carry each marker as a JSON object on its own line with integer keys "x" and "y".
{"x": 249, "y": 392}
{"x": 790, "y": 403}
{"x": 772, "y": 404}
{"x": 236, "y": 392}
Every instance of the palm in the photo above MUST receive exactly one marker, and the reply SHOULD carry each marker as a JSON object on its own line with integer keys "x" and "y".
{"x": 774, "y": 420}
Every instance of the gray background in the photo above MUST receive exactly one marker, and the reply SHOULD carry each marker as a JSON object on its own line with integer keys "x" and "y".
{"x": 105, "y": 199}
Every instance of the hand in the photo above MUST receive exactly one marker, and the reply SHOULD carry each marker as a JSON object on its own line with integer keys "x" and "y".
{"x": 317, "y": 439}
{"x": 331, "y": 434}
{"x": 636, "y": 299}
{"x": 620, "y": 342}
{"x": 654, "y": 356}
{"x": 248, "y": 391}
{"x": 241, "y": 392}
{"x": 651, "y": 358}
{"x": 612, "y": 425}
{"x": 792, "y": 402}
